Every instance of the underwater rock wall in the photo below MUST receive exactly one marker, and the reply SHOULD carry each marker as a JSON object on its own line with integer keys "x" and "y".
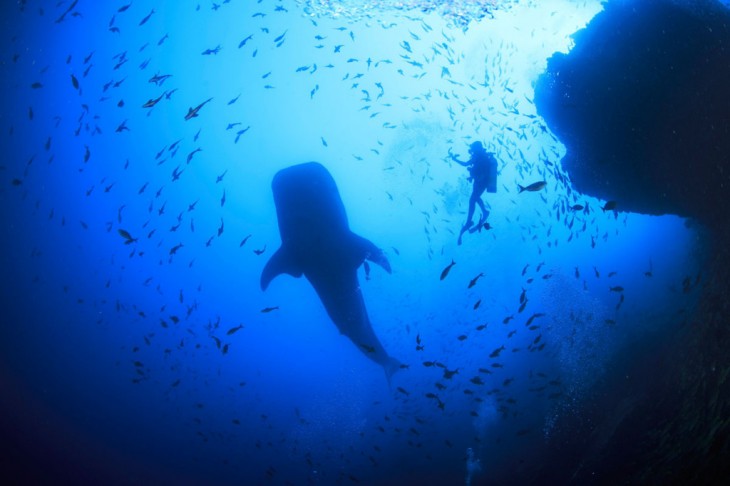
{"x": 641, "y": 103}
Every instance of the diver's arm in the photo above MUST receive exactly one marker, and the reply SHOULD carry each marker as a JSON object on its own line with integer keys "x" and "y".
{"x": 453, "y": 157}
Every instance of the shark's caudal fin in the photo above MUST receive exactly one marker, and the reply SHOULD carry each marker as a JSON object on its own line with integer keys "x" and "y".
{"x": 280, "y": 262}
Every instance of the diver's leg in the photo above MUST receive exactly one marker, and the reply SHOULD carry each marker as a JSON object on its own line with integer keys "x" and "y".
{"x": 469, "y": 217}
{"x": 485, "y": 212}
{"x": 470, "y": 214}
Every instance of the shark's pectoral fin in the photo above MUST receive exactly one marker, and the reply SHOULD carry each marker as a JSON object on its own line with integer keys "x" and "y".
{"x": 378, "y": 256}
{"x": 366, "y": 250}
{"x": 280, "y": 262}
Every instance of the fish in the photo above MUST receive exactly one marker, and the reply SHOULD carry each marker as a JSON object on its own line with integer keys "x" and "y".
{"x": 473, "y": 281}
{"x": 534, "y": 187}
{"x": 317, "y": 243}
{"x": 67, "y": 11}
{"x": 193, "y": 112}
{"x": 419, "y": 345}
{"x": 244, "y": 41}
{"x": 146, "y": 18}
{"x": 496, "y": 352}
{"x": 446, "y": 270}
{"x": 266, "y": 310}
{"x": 125, "y": 234}
{"x": 609, "y": 206}
{"x": 158, "y": 79}
{"x": 209, "y": 52}
{"x": 533, "y": 317}
{"x": 153, "y": 101}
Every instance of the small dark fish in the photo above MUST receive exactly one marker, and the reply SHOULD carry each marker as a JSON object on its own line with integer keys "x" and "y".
{"x": 367, "y": 347}
{"x": 266, "y": 310}
{"x": 403, "y": 391}
{"x": 473, "y": 281}
{"x": 233, "y": 330}
{"x": 534, "y": 187}
{"x": 74, "y": 82}
{"x": 243, "y": 241}
{"x": 522, "y": 306}
{"x": 144, "y": 20}
{"x": 617, "y": 288}
{"x": 259, "y": 252}
{"x": 153, "y": 101}
{"x": 533, "y": 317}
{"x": 610, "y": 205}
{"x": 193, "y": 112}
{"x": 175, "y": 248}
{"x": 462, "y": 337}
{"x": 449, "y": 374}
{"x": 280, "y": 38}
{"x": 495, "y": 353}
{"x": 446, "y": 270}
{"x": 125, "y": 234}
{"x": 366, "y": 267}
{"x": 577, "y": 207}
{"x": 244, "y": 41}
{"x": 419, "y": 346}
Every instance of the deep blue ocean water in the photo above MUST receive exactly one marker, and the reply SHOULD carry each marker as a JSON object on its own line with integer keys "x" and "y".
{"x": 161, "y": 361}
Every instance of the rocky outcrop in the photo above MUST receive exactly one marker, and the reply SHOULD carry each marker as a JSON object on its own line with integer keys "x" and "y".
{"x": 642, "y": 103}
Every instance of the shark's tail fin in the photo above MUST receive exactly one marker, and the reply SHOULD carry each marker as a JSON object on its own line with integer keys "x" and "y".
{"x": 390, "y": 367}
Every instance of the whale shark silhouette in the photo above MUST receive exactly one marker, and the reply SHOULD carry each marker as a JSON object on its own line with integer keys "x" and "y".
{"x": 316, "y": 242}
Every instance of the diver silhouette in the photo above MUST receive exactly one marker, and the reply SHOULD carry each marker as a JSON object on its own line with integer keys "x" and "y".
{"x": 483, "y": 174}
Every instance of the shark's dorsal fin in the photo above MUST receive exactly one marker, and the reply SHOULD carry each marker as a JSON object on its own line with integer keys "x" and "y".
{"x": 280, "y": 262}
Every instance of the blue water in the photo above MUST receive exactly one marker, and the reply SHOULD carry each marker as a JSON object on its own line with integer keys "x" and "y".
{"x": 117, "y": 364}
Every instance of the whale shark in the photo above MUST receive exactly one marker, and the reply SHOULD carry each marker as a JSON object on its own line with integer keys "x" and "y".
{"x": 316, "y": 242}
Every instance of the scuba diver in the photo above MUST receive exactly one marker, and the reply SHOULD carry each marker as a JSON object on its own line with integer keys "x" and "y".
{"x": 483, "y": 173}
